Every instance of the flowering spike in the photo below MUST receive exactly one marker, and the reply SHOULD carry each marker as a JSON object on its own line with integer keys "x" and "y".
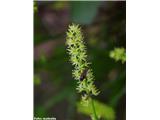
{"x": 78, "y": 56}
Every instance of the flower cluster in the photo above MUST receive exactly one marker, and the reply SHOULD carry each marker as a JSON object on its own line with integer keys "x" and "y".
{"x": 77, "y": 50}
{"x": 119, "y": 54}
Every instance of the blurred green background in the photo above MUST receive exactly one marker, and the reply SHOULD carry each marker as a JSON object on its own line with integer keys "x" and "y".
{"x": 104, "y": 27}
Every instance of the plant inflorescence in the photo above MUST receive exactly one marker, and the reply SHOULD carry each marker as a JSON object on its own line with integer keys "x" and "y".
{"x": 119, "y": 54}
{"x": 78, "y": 56}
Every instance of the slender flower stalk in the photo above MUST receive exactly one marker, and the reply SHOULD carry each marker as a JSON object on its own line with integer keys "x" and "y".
{"x": 82, "y": 72}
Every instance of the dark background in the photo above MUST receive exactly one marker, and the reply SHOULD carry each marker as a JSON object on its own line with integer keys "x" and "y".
{"x": 104, "y": 28}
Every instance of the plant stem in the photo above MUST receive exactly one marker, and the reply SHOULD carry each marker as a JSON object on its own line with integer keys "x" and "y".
{"x": 94, "y": 111}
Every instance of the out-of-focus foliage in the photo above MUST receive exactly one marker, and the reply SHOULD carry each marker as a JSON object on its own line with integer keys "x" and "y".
{"x": 58, "y": 5}
{"x": 84, "y": 12}
{"x": 119, "y": 54}
{"x": 35, "y": 7}
{"x": 102, "y": 110}
{"x": 37, "y": 80}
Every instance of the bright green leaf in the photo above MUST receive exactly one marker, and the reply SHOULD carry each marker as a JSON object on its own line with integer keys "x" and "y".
{"x": 102, "y": 110}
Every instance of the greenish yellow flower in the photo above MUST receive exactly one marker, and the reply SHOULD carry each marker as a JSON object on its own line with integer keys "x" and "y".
{"x": 78, "y": 57}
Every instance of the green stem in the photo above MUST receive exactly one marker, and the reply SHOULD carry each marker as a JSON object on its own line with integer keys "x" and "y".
{"x": 94, "y": 111}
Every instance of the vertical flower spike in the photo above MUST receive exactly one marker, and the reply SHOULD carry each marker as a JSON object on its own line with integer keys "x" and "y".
{"x": 82, "y": 73}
